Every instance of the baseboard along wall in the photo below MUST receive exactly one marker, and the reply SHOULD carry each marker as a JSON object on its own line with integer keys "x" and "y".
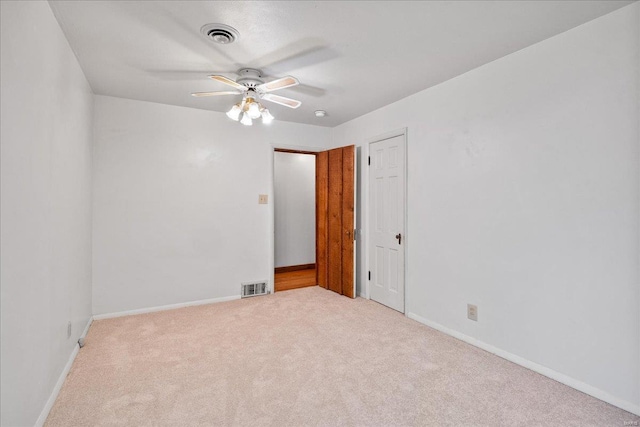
{"x": 557, "y": 376}
{"x": 294, "y": 268}
{"x": 56, "y": 389}
{"x": 542, "y": 370}
{"x": 164, "y": 307}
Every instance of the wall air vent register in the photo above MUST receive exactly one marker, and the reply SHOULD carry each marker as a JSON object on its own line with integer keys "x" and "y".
{"x": 253, "y": 289}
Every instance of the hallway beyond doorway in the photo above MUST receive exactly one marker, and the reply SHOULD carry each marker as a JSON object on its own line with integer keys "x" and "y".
{"x": 295, "y": 279}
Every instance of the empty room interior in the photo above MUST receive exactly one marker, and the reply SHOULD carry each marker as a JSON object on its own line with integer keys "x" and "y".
{"x": 363, "y": 213}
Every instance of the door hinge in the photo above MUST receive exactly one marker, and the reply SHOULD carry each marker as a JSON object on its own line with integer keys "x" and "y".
{"x": 369, "y": 274}
{"x": 355, "y": 231}
{"x": 369, "y": 161}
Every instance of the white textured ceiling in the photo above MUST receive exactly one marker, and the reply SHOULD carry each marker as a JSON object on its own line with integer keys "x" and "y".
{"x": 351, "y": 57}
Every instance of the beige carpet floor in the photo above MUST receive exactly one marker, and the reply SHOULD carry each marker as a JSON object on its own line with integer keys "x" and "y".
{"x": 304, "y": 357}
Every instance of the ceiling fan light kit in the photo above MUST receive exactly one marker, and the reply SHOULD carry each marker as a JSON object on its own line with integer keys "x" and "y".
{"x": 253, "y": 88}
{"x": 248, "y": 110}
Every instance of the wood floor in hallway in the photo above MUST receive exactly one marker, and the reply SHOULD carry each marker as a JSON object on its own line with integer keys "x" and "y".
{"x": 295, "y": 279}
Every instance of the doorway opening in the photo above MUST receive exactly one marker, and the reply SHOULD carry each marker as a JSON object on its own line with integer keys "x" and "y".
{"x": 294, "y": 190}
{"x": 333, "y": 197}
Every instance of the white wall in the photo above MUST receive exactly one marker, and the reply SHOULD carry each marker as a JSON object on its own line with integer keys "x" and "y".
{"x": 523, "y": 198}
{"x": 176, "y": 213}
{"x": 46, "y": 116}
{"x": 294, "y": 182}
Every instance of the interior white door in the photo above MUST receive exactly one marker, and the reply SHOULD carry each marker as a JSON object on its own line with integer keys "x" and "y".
{"x": 386, "y": 221}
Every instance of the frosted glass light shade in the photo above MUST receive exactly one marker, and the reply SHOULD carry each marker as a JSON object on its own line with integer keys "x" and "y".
{"x": 234, "y": 112}
{"x": 254, "y": 110}
{"x": 266, "y": 117}
{"x": 246, "y": 120}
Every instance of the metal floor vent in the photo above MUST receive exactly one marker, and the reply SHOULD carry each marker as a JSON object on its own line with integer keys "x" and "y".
{"x": 253, "y": 289}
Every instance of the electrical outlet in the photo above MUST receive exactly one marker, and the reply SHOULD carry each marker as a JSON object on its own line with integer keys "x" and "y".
{"x": 263, "y": 199}
{"x": 472, "y": 312}
{"x": 69, "y": 330}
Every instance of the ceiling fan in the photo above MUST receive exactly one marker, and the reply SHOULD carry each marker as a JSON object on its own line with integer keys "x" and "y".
{"x": 253, "y": 88}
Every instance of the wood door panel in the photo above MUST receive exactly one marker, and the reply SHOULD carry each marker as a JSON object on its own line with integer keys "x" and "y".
{"x": 334, "y": 259}
{"x": 348, "y": 163}
{"x": 335, "y": 205}
{"x": 322, "y": 193}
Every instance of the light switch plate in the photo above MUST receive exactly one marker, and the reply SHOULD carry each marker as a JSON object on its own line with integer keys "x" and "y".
{"x": 263, "y": 199}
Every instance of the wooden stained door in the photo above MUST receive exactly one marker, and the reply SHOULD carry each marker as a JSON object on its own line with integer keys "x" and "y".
{"x": 348, "y": 222}
{"x": 335, "y": 205}
{"x": 322, "y": 223}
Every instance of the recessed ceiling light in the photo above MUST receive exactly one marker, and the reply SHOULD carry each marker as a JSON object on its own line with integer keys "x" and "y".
{"x": 320, "y": 113}
{"x": 220, "y": 33}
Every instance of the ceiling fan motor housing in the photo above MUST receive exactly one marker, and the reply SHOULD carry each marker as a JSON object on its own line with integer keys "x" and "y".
{"x": 249, "y": 77}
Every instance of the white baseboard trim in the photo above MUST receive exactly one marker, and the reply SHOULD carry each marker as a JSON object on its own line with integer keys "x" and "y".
{"x": 164, "y": 307}
{"x": 550, "y": 373}
{"x": 86, "y": 328}
{"x": 56, "y": 389}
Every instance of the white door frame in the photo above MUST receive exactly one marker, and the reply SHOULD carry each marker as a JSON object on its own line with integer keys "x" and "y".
{"x": 271, "y": 205}
{"x": 367, "y": 214}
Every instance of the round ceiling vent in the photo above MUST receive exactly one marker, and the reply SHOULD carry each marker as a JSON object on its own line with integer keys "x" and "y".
{"x": 220, "y": 33}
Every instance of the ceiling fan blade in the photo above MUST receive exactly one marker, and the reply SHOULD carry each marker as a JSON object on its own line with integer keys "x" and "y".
{"x": 278, "y": 84}
{"x": 282, "y": 100}
{"x": 198, "y": 94}
{"x": 227, "y": 81}
{"x": 180, "y": 74}
{"x": 309, "y": 90}
{"x": 309, "y": 52}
